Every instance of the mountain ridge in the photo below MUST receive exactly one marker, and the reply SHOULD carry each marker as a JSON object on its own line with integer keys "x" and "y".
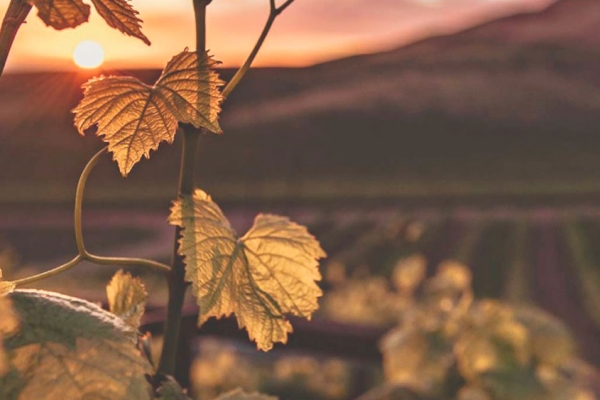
{"x": 458, "y": 107}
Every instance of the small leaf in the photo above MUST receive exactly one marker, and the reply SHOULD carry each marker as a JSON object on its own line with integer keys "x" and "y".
{"x": 135, "y": 118}
{"x": 5, "y": 286}
{"x": 170, "y": 390}
{"x": 261, "y": 277}
{"x": 239, "y": 394}
{"x": 409, "y": 273}
{"x": 119, "y": 14}
{"x": 127, "y": 298}
{"x": 61, "y": 14}
{"x": 68, "y": 348}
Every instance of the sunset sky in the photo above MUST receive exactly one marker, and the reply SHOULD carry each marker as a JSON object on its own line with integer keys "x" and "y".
{"x": 309, "y": 31}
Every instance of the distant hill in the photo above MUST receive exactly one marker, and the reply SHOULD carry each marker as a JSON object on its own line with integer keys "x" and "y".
{"x": 516, "y": 99}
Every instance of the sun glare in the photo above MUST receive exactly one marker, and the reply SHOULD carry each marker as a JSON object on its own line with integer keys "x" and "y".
{"x": 88, "y": 54}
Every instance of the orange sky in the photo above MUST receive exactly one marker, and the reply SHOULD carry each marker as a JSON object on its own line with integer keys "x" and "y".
{"x": 309, "y": 31}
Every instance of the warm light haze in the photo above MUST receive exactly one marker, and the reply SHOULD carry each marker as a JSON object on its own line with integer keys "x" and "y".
{"x": 310, "y": 31}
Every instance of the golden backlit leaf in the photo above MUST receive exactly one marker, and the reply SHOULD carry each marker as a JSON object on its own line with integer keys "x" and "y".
{"x": 127, "y": 298}
{"x": 68, "y": 348}
{"x": 61, "y": 14}
{"x": 5, "y": 286}
{"x": 193, "y": 86}
{"x": 239, "y": 394}
{"x": 134, "y": 118}
{"x": 261, "y": 277}
{"x": 119, "y": 14}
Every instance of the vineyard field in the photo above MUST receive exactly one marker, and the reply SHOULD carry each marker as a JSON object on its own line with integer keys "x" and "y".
{"x": 545, "y": 256}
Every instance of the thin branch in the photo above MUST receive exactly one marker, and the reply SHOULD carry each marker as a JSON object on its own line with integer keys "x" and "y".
{"x": 116, "y": 261}
{"x": 274, "y": 12}
{"x": 48, "y": 274}
{"x": 13, "y": 19}
{"x": 284, "y": 6}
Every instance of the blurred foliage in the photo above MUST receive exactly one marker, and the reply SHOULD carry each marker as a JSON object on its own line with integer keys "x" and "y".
{"x": 222, "y": 366}
{"x": 371, "y": 289}
{"x": 447, "y": 345}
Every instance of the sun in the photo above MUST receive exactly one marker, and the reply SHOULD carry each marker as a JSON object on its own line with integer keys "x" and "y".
{"x": 88, "y": 54}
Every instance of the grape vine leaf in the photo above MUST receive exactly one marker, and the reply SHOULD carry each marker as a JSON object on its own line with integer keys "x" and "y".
{"x": 261, "y": 277}
{"x": 239, "y": 394}
{"x": 62, "y": 14}
{"x": 5, "y": 286}
{"x": 67, "y": 348}
{"x": 8, "y": 324}
{"x": 127, "y": 297}
{"x": 134, "y": 118}
{"x": 119, "y": 14}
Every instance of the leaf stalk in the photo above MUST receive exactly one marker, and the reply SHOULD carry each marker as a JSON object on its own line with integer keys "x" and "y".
{"x": 48, "y": 274}
{"x": 13, "y": 19}
{"x": 241, "y": 72}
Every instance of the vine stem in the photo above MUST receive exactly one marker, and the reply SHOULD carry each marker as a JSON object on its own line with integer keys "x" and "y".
{"x": 13, "y": 19}
{"x": 79, "y": 199}
{"x": 82, "y": 253}
{"x": 241, "y": 72}
{"x": 176, "y": 278}
{"x": 78, "y": 226}
{"x": 55, "y": 271}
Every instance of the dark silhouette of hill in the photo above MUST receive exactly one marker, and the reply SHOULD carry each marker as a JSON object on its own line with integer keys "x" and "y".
{"x": 516, "y": 99}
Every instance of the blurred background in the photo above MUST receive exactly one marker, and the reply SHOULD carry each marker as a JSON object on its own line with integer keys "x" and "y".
{"x": 461, "y": 130}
